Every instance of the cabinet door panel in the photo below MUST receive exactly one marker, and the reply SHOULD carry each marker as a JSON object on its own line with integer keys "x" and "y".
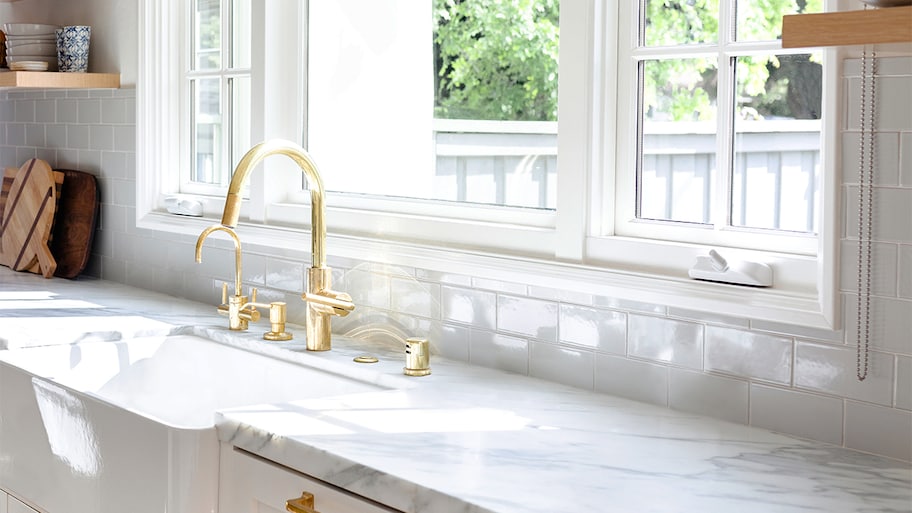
{"x": 248, "y": 484}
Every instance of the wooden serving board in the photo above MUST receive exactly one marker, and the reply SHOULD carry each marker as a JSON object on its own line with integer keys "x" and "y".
{"x": 74, "y": 228}
{"x": 27, "y": 218}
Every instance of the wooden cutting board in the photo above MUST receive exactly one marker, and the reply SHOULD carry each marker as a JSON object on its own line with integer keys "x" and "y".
{"x": 74, "y": 228}
{"x": 27, "y": 218}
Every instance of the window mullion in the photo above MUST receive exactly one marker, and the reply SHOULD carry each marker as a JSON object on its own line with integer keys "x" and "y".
{"x": 722, "y": 194}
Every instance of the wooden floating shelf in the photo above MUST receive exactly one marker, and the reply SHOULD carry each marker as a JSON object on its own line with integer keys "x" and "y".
{"x": 871, "y": 26}
{"x": 58, "y": 80}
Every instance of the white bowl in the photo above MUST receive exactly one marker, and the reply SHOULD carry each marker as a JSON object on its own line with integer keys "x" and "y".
{"x": 12, "y": 43}
{"x": 32, "y": 49}
{"x": 28, "y": 29}
{"x": 52, "y": 61}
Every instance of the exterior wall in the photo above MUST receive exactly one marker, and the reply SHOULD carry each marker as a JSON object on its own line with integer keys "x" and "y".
{"x": 791, "y": 379}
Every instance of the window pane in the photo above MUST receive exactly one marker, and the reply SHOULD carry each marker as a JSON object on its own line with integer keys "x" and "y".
{"x": 207, "y": 165}
{"x": 240, "y": 33}
{"x": 762, "y": 21}
{"x": 678, "y": 139}
{"x": 679, "y": 22}
{"x": 463, "y": 112}
{"x": 240, "y": 118}
{"x": 777, "y": 142}
{"x": 207, "y": 26}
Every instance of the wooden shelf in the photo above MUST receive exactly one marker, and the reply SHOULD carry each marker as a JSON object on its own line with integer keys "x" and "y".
{"x": 871, "y": 26}
{"x": 56, "y": 80}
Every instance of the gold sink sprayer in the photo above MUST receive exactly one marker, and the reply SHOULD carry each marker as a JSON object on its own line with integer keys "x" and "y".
{"x": 322, "y": 301}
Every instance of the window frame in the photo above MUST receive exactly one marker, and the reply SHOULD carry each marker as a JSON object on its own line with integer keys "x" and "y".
{"x": 557, "y": 250}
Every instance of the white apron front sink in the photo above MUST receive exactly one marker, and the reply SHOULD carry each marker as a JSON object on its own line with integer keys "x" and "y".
{"x": 108, "y": 427}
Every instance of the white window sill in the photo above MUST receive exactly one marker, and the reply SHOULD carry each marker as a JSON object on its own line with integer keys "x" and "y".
{"x": 804, "y": 309}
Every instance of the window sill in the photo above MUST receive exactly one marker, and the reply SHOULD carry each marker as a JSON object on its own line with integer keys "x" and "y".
{"x": 804, "y": 309}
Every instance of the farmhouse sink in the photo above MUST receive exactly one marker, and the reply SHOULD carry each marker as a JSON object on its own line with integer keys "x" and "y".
{"x": 107, "y": 427}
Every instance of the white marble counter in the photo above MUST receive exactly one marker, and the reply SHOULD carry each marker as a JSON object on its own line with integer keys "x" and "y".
{"x": 468, "y": 439}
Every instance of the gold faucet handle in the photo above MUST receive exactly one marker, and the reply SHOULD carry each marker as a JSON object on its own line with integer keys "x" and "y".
{"x": 330, "y": 302}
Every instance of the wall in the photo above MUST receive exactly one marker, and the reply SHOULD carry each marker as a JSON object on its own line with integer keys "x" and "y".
{"x": 788, "y": 378}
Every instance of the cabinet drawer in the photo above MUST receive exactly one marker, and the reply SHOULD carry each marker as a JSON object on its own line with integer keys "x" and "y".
{"x": 249, "y": 484}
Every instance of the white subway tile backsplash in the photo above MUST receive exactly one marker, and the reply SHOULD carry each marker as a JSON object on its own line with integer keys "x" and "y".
{"x": 475, "y": 307}
{"x": 77, "y": 137}
{"x": 878, "y": 430}
{"x": 603, "y": 330}
{"x": 101, "y": 137}
{"x": 891, "y": 91}
{"x": 709, "y": 395}
{"x": 905, "y": 271}
{"x": 25, "y": 111}
{"x": 527, "y": 316}
{"x": 45, "y": 111}
{"x": 751, "y": 355}
{"x": 366, "y": 287}
{"x": 89, "y": 112}
{"x": 560, "y": 364}
{"x": 665, "y": 340}
{"x": 708, "y": 317}
{"x": 497, "y": 351}
{"x": 280, "y": 274}
{"x": 892, "y": 211}
{"x": 67, "y": 111}
{"x": 453, "y": 342}
{"x": 415, "y": 297}
{"x": 887, "y": 157}
{"x": 905, "y": 160}
{"x": 500, "y": 286}
{"x": 562, "y": 295}
{"x": 832, "y": 370}
{"x": 633, "y": 306}
{"x": 35, "y": 135}
{"x": 632, "y": 379}
{"x": 903, "y": 382}
{"x": 884, "y": 266}
{"x": 444, "y": 278}
{"x": 796, "y": 413}
{"x": 890, "y": 323}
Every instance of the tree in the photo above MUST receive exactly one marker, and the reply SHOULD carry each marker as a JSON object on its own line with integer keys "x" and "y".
{"x": 496, "y": 59}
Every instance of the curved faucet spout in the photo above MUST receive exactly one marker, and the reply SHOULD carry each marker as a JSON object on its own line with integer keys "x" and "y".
{"x": 308, "y": 167}
{"x": 237, "y": 251}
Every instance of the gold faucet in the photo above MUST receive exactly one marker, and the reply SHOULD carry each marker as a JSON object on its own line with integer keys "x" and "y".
{"x": 240, "y": 311}
{"x": 322, "y": 301}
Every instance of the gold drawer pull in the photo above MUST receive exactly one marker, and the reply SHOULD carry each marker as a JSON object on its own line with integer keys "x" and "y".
{"x": 303, "y": 504}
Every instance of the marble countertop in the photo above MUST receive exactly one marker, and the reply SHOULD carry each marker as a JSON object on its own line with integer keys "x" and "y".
{"x": 469, "y": 439}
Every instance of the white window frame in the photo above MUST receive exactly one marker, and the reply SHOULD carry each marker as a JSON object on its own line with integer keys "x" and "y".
{"x": 548, "y": 249}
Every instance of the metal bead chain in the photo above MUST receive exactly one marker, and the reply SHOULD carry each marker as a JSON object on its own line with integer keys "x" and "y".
{"x": 865, "y": 211}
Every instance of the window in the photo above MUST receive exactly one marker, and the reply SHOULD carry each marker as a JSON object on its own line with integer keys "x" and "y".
{"x": 216, "y": 102}
{"x": 414, "y": 180}
{"x": 726, "y": 127}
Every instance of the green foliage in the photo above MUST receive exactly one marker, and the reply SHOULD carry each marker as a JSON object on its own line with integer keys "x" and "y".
{"x": 496, "y": 59}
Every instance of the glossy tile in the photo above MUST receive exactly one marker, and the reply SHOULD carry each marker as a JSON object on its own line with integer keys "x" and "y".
{"x": 473, "y": 307}
{"x": 497, "y": 351}
{"x": 526, "y": 316}
{"x": 453, "y": 342}
{"x": 878, "y": 430}
{"x": 905, "y": 270}
{"x": 665, "y": 340}
{"x": 414, "y": 297}
{"x": 892, "y": 209}
{"x": 884, "y": 267}
{"x": 560, "y": 364}
{"x": 812, "y": 416}
{"x": 890, "y": 323}
{"x": 706, "y": 394}
{"x": 905, "y": 163}
{"x": 887, "y": 145}
{"x": 708, "y": 317}
{"x": 748, "y": 354}
{"x": 366, "y": 288}
{"x": 603, "y": 330}
{"x": 519, "y": 289}
{"x": 903, "y": 382}
{"x": 832, "y": 370}
{"x": 632, "y": 379}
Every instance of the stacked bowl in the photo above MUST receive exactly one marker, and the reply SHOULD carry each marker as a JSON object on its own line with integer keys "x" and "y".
{"x": 31, "y": 46}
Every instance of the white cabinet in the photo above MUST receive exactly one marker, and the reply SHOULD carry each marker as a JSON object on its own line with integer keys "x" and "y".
{"x": 249, "y": 484}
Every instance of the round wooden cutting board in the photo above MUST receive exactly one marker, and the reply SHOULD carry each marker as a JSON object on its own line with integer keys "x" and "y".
{"x": 28, "y": 217}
